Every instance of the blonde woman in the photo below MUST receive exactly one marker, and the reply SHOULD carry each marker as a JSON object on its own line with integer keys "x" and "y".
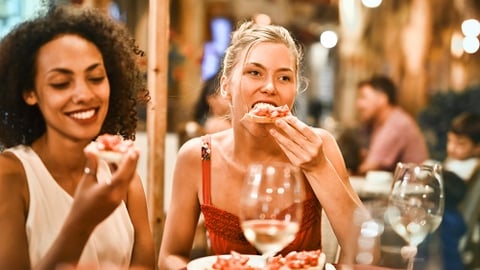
{"x": 261, "y": 65}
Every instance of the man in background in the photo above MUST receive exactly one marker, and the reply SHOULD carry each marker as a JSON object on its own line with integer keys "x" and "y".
{"x": 392, "y": 134}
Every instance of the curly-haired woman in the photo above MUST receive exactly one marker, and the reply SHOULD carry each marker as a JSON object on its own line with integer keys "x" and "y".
{"x": 67, "y": 76}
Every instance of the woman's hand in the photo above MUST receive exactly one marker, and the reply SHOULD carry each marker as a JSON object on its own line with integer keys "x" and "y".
{"x": 300, "y": 143}
{"x": 94, "y": 201}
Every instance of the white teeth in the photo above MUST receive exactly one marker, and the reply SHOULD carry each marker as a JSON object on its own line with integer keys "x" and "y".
{"x": 263, "y": 105}
{"x": 83, "y": 115}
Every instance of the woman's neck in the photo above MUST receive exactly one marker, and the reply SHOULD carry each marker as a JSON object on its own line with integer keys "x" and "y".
{"x": 60, "y": 156}
{"x": 248, "y": 148}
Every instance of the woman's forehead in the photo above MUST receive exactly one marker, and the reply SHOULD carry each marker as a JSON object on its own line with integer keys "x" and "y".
{"x": 270, "y": 53}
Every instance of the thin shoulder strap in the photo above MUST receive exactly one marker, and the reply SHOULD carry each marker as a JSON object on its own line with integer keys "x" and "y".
{"x": 206, "y": 168}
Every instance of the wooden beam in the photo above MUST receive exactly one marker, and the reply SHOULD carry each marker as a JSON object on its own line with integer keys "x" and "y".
{"x": 158, "y": 29}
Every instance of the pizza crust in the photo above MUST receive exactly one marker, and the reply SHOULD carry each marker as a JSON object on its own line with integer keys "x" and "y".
{"x": 110, "y": 156}
{"x": 260, "y": 119}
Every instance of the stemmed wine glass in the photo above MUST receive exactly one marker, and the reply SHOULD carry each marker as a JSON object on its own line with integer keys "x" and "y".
{"x": 271, "y": 206}
{"x": 416, "y": 204}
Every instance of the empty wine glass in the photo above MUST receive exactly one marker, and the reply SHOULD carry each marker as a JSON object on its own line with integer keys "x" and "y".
{"x": 271, "y": 206}
{"x": 416, "y": 204}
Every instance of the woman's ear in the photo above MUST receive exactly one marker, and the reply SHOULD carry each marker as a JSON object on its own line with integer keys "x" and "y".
{"x": 224, "y": 88}
{"x": 30, "y": 97}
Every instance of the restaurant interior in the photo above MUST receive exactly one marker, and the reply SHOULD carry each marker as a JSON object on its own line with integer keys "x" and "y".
{"x": 429, "y": 48}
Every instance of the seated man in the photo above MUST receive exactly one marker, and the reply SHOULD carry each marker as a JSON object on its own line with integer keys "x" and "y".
{"x": 392, "y": 134}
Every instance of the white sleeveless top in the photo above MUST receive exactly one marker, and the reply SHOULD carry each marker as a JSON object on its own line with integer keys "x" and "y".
{"x": 111, "y": 243}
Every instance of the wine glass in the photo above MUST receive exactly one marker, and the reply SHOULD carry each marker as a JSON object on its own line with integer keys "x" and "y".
{"x": 415, "y": 206}
{"x": 271, "y": 206}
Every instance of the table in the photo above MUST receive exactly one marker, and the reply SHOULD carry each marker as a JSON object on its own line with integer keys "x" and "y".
{"x": 367, "y": 190}
{"x": 362, "y": 267}
{"x": 354, "y": 267}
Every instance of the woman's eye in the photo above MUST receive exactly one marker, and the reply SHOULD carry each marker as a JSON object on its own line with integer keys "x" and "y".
{"x": 97, "y": 80}
{"x": 254, "y": 72}
{"x": 60, "y": 85}
{"x": 285, "y": 78}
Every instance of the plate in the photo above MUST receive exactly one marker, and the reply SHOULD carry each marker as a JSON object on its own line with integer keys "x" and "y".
{"x": 257, "y": 261}
{"x": 205, "y": 263}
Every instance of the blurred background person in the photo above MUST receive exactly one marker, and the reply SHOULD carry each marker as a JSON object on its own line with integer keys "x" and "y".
{"x": 461, "y": 169}
{"x": 212, "y": 110}
{"x": 392, "y": 135}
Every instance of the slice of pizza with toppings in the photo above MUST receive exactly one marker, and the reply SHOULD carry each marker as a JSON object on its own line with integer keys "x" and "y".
{"x": 264, "y": 113}
{"x": 110, "y": 148}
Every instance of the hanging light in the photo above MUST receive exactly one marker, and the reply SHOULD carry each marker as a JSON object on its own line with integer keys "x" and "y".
{"x": 471, "y": 28}
{"x": 471, "y": 44}
{"x": 371, "y": 3}
{"x": 328, "y": 39}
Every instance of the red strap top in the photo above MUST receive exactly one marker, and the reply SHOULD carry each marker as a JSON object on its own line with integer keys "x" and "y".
{"x": 224, "y": 230}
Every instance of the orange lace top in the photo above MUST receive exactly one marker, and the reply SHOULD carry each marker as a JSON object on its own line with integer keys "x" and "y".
{"x": 225, "y": 233}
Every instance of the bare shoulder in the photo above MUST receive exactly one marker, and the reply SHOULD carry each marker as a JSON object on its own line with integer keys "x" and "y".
{"x": 10, "y": 167}
{"x": 12, "y": 177}
{"x": 190, "y": 150}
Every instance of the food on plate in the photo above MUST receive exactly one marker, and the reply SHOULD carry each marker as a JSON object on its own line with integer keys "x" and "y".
{"x": 236, "y": 261}
{"x": 265, "y": 113}
{"x": 110, "y": 148}
{"x": 302, "y": 260}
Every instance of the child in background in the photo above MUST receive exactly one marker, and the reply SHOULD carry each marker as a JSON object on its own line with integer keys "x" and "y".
{"x": 463, "y": 151}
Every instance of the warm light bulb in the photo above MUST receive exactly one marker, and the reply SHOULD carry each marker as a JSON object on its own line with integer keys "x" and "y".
{"x": 471, "y": 28}
{"x": 329, "y": 39}
{"x": 371, "y": 3}
{"x": 456, "y": 45}
{"x": 471, "y": 44}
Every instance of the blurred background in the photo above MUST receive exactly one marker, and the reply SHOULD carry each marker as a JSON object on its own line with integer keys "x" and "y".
{"x": 429, "y": 48}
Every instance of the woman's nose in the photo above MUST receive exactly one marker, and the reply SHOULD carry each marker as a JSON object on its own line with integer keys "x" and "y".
{"x": 82, "y": 93}
{"x": 269, "y": 87}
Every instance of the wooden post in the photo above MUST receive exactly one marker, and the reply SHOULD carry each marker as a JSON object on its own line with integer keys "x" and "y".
{"x": 158, "y": 29}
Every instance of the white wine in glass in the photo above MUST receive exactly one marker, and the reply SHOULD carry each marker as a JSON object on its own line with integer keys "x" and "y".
{"x": 271, "y": 206}
{"x": 416, "y": 203}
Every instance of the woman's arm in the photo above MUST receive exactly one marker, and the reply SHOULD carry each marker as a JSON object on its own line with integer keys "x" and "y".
{"x": 184, "y": 209}
{"x": 13, "y": 214}
{"x": 143, "y": 256}
{"x": 92, "y": 203}
{"x": 316, "y": 152}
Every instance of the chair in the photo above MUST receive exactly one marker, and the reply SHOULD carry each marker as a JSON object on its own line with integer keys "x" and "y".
{"x": 470, "y": 209}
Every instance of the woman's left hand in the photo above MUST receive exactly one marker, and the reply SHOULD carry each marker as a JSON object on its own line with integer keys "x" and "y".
{"x": 300, "y": 143}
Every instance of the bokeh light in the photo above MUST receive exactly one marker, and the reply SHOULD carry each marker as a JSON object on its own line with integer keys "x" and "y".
{"x": 471, "y": 44}
{"x": 471, "y": 28}
{"x": 371, "y": 3}
{"x": 328, "y": 39}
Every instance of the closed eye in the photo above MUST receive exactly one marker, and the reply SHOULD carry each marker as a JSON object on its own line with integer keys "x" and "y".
{"x": 97, "y": 80}
{"x": 60, "y": 86}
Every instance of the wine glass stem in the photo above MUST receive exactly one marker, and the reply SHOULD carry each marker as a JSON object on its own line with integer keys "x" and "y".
{"x": 409, "y": 252}
{"x": 410, "y": 263}
{"x": 265, "y": 257}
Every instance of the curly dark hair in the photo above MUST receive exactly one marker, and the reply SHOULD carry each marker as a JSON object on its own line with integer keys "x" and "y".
{"x": 21, "y": 123}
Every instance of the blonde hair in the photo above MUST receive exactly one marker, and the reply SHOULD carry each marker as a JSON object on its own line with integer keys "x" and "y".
{"x": 249, "y": 34}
